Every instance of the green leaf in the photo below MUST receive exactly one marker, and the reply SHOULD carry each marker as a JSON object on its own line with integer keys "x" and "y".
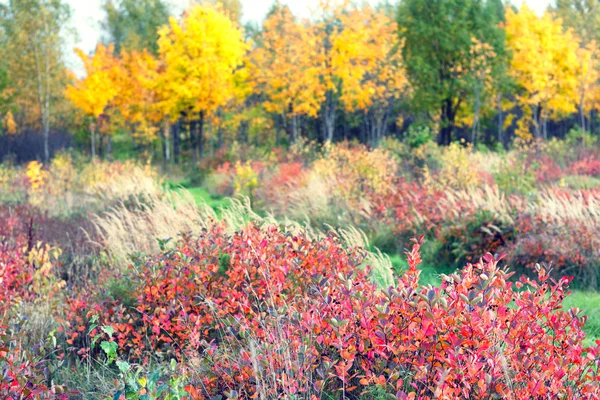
{"x": 110, "y": 348}
{"x": 109, "y": 330}
{"x": 123, "y": 366}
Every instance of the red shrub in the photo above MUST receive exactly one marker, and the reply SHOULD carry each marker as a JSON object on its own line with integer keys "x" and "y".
{"x": 278, "y": 183}
{"x": 15, "y": 277}
{"x": 547, "y": 171}
{"x": 262, "y": 313}
{"x": 570, "y": 247}
{"x": 587, "y": 166}
{"x": 23, "y": 379}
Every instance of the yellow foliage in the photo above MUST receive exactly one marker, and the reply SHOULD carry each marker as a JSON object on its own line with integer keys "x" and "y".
{"x": 544, "y": 61}
{"x": 10, "y": 124}
{"x": 457, "y": 169}
{"x": 138, "y": 99}
{"x": 93, "y": 93}
{"x": 353, "y": 167}
{"x": 36, "y": 175}
{"x": 367, "y": 59}
{"x": 44, "y": 281}
{"x": 285, "y": 66}
{"x": 202, "y": 56}
{"x": 246, "y": 178}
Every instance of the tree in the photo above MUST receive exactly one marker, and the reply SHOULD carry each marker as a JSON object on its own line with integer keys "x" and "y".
{"x": 34, "y": 58}
{"x": 134, "y": 24}
{"x": 232, "y": 8}
{"x": 285, "y": 69}
{"x": 437, "y": 53}
{"x": 137, "y": 101}
{"x": 583, "y": 16}
{"x": 8, "y": 124}
{"x": 327, "y": 28}
{"x": 368, "y": 61}
{"x": 586, "y": 84}
{"x": 543, "y": 63}
{"x": 97, "y": 89}
{"x": 203, "y": 55}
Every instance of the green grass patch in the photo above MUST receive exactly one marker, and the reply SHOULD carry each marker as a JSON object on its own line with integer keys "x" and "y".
{"x": 589, "y": 303}
{"x": 201, "y": 195}
{"x": 430, "y": 274}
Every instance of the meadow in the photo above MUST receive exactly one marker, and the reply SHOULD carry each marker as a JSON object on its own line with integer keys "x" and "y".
{"x": 366, "y": 200}
{"x": 409, "y": 270}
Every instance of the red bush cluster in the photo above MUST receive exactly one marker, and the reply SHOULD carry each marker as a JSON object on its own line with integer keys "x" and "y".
{"x": 586, "y": 166}
{"x": 20, "y": 376}
{"x": 548, "y": 170}
{"x": 15, "y": 277}
{"x": 22, "y": 379}
{"x": 264, "y": 313}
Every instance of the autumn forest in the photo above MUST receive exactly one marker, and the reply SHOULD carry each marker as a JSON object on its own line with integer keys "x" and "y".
{"x": 374, "y": 200}
{"x": 475, "y": 70}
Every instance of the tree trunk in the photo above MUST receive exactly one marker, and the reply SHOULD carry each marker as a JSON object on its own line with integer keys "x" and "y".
{"x": 41, "y": 56}
{"x": 100, "y": 146}
{"x": 192, "y": 126}
{"x": 109, "y": 147}
{"x": 210, "y": 136}
{"x": 165, "y": 140}
{"x": 220, "y": 138}
{"x": 294, "y": 136}
{"x": 200, "y": 138}
{"x": 477, "y": 110}
{"x": 448, "y": 114}
{"x": 582, "y": 115}
{"x": 175, "y": 129}
{"x": 93, "y": 139}
{"x": 329, "y": 116}
{"x": 277, "y": 130}
{"x": 538, "y": 121}
{"x": 500, "y": 123}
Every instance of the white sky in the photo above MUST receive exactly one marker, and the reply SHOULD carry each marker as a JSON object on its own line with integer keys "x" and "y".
{"x": 87, "y": 13}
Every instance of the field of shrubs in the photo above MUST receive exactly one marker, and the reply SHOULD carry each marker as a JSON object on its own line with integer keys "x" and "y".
{"x": 407, "y": 271}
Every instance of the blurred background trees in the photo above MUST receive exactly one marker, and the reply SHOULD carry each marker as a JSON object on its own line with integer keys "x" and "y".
{"x": 176, "y": 87}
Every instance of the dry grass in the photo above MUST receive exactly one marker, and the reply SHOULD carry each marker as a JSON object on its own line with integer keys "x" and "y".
{"x": 560, "y": 208}
{"x": 64, "y": 187}
{"x": 135, "y": 229}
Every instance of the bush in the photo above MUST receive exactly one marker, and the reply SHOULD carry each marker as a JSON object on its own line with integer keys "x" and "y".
{"x": 465, "y": 240}
{"x": 264, "y": 313}
{"x": 23, "y": 378}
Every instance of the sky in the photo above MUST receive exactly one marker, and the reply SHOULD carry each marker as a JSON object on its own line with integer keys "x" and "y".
{"x": 87, "y": 13}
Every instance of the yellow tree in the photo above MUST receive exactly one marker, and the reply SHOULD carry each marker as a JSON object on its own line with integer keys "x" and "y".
{"x": 543, "y": 64}
{"x": 327, "y": 28}
{"x": 97, "y": 89}
{"x": 285, "y": 69}
{"x": 137, "y": 101}
{"x": 367, "y": 60}
{"x": 202, "y": 56}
